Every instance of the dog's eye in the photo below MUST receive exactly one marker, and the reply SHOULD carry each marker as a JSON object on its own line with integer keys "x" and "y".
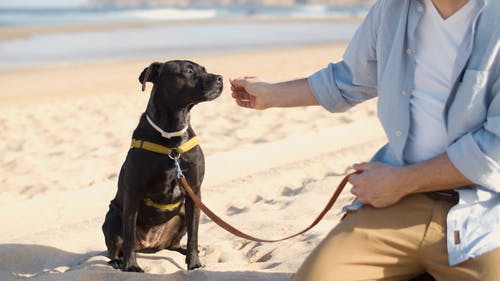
{"x": 188, "y": 71}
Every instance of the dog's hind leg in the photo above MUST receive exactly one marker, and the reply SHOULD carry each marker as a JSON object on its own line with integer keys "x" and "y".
{"x": 130, "y": 212}
{"x": 112, "y": 230}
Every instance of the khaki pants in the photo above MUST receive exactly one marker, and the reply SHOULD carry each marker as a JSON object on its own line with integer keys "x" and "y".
{"x": 395, "y": 243}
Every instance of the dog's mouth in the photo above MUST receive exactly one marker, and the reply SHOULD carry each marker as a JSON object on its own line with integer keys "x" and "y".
{"x": 216, "y": 90}
{"x": 214, "y": 93}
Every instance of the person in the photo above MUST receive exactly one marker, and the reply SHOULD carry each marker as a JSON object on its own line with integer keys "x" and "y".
{"x": 428, "y": 201}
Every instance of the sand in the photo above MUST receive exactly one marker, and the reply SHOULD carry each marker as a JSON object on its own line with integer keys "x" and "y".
{"x": 65, "y": 131}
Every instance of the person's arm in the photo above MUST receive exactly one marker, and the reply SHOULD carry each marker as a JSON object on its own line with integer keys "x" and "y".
{"x": 337, "y": 87}
{"x": 381, "y": 185}
{"x": 251, "y": 92}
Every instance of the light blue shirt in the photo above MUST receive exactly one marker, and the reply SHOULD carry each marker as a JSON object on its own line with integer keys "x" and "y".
{"x": 379, "y": 62}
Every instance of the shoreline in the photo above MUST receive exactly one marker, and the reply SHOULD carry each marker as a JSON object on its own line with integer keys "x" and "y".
{"x": 193, "y": 38}
{"x": 195, "y": 53}
{"x": 19, "y": 32}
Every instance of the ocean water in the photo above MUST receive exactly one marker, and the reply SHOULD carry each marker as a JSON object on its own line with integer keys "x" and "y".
{"x": 64, "y": 16}
{"x": 212, "y": 35}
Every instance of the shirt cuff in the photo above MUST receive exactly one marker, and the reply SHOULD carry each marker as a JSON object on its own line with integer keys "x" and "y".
{"x": 324, "y": 88}
{"x": 468, "y": 158}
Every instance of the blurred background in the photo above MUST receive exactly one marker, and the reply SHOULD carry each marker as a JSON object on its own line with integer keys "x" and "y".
{"x": 45, "y": 32}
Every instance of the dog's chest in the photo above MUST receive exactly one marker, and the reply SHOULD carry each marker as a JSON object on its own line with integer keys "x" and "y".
{"x": 165, "y": 195}
{"x": 152, "y": 237}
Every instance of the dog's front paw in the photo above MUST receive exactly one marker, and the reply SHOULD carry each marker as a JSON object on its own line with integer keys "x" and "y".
{"x": 116, "y": 264}
{"x": 193, "y": 263}
{"x": 133, "y": 268}
{"x": 194, "y": 266}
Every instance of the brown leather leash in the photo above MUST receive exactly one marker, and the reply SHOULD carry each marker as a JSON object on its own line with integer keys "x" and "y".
{"x": 240, "y": 234}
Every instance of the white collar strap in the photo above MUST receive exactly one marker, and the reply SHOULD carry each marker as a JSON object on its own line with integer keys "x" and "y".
{"x": 164, "y": 134}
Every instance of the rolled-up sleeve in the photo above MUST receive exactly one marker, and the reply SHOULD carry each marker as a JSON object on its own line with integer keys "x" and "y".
{"x": 477, "y": 154}
{"x": 339, "y": 86}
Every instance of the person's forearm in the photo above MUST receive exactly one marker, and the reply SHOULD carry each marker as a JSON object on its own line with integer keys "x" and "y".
{"x": 438, "y": 173}
{"x": 290, "y": 94}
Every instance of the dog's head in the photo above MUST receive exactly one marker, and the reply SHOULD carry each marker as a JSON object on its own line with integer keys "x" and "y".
{"x": 181, "y": 83}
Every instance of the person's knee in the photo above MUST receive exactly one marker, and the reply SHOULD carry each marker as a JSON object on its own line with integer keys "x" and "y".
{"x": 484, "y": 267}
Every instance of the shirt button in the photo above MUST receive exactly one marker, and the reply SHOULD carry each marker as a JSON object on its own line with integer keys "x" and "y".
{"x": 398, "y": 133}
{"x": 420, "y": 9}
{"x": 403, "y": 93}
{"x": 409, "y": 51}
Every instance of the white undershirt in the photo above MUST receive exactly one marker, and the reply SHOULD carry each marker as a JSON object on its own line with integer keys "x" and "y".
{"x": 437, "y": 43}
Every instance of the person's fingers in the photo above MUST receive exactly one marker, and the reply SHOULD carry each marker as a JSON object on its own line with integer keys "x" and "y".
{"x": 236, "y": 94}
{"x": 239, "y": 82}
{"x": 354, "y": 191}
{"x": 235, "y": 87}
{"x": 242, "y": 98}
{"x": 238, "y": 88}
{"x": 353, "y": 179}
{"x": 361, "y": 166}
{"x": 244, "y": 103}
{"x": 241, "y": 103}
{"x": 241, "y": 95}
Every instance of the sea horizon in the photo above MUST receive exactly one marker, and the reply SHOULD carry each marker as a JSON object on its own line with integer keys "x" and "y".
{"x": 56, "y": 16}
{"x": 203, "y": 31}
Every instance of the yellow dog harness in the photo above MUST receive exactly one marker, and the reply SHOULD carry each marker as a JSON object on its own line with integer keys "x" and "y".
{"x": 164, "y": 207}
{"x": 153, "y": 147}
{"x": 172, "y": 153}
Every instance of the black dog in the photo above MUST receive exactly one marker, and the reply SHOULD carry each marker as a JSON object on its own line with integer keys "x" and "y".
{"x": 150, "y": 211}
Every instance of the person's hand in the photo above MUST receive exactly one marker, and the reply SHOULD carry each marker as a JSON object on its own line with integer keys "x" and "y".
{"x": 378, "y": 184}
{"x": 250, "y": 92}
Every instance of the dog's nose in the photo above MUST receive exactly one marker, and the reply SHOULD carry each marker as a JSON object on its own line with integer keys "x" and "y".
{"x": 219, "y": 79}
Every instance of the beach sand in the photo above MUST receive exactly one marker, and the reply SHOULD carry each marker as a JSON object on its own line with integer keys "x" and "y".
{"x": 65, "y": 131}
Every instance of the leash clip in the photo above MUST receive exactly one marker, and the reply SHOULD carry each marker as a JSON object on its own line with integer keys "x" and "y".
{"x": 174, "y": 154}
{"x": 178, "y": 167}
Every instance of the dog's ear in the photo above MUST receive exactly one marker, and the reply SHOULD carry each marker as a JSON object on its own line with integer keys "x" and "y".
{"x": 150, "y": 74}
